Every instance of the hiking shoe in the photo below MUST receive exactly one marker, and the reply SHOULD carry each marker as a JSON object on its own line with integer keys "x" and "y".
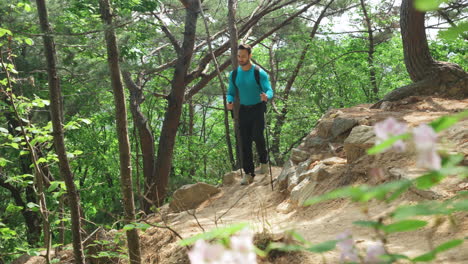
{"x": 264, "y": 168}
{"x": 247, "y": 179}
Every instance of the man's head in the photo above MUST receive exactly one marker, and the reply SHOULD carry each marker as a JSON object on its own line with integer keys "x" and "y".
{"x": 244, "y": 54}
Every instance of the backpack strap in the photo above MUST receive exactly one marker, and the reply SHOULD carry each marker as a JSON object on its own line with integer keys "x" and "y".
{"x": 257, "y": 75}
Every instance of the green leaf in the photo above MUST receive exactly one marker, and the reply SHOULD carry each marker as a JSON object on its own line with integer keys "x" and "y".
{"x": 32, "y": 205}
{"x": 405, "y": 225}
{"x": 3, "y": 130}
{"x": 3, "y": 162}
{"x": 454, "y": 32}
{"x": 431, "y": 255}
{"x": 427, "y": 5}
{"x": 28, "y": 41}
{"x": 215, "y": 233}
{"x": 387, "y": 144}
{"x": 428, "y": 180}
{"x": 86, "y": 121}
{"x": 4, "y": 31}
{"x": 447, "y": 121}
{"x": 53, "y": 186}
{"x": 425, "y": 257}
{"x": 448, "y": 245}
{"x": 323, "y": 247}
{"x": 372, "y": 224}
{"x": 11, "y": 208}
{"x": 407, "y": 211}
{"x": 128, "y": 227}
{"x": 461, "y": 205}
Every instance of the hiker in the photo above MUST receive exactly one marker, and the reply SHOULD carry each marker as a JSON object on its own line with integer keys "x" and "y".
{"x": 253, "y": 86}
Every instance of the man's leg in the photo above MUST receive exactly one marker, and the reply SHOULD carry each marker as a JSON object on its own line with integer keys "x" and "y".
{"x": 246, "y": 139}
{"x": 258, "y": 136}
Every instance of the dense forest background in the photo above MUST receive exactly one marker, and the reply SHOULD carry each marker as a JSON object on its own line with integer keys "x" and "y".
{"x": 319, "y": 55}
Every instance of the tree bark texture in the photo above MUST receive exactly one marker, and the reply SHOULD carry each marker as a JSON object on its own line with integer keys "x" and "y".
{"x": 145, "y": 135}
{"x": 56, "y": 110}
{"x": 122, "y": 132}
{"x": 174, "y": 108}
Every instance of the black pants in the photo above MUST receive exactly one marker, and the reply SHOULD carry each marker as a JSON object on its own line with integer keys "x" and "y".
{"x": 251, "y": 126}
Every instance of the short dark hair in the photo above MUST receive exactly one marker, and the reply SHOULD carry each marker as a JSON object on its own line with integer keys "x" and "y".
{"x": 246, "y": 47}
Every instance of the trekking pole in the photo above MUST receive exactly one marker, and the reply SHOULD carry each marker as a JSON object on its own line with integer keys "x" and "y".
{"x": 268, "y": 144}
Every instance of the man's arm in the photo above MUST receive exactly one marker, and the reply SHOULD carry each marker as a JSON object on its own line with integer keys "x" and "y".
{"x": 231, "y": 94}
{"x": 266, "y": 86}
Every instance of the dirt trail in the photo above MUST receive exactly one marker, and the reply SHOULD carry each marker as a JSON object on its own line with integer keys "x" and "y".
{"x": 256, "y": 204}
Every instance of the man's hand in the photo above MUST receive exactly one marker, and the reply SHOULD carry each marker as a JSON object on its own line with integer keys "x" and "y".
{"x": 230, "y": 106}
{"x": 264, "y": 97}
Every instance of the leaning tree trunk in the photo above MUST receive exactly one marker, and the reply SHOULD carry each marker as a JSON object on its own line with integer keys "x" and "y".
{"x": 56, "y": 111}
{"x": 430, "y": 77}
{"x": 122, "y": 133}
{"x": 174, "y": 108}
{"x": 146, "y": 137}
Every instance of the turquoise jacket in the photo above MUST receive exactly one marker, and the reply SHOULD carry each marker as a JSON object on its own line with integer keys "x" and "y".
{"x": 248, "y": 88}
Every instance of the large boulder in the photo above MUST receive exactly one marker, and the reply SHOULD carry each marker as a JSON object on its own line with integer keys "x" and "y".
{"x": 342, "y": 125}
{"x": 230, "y": 177}
{"x": 315, "y": 143}
{"x": 359, "y": 140}
{"x": 298, "y": 155}
{"x": 302, "y": 191}
{"x": 191, "y": 196}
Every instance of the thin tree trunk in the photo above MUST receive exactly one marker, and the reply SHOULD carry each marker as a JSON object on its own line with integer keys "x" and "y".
{"x": 133, "y": 240}
{"x": 370, "y": 54}
{"x": 281, "y": 118}
{"x": 232, "y": 10}
{"x": 174, "y": 109}
{"x": 191, "y": 124}
{"x": 56, "y": 109}
{"x": 145, "y": 134}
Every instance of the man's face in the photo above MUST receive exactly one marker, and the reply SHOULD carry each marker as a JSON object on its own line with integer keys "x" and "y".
{"x": 243, "y": 57}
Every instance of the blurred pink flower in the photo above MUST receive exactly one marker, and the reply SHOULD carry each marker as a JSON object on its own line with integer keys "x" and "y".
{"x": 425, "y": 140}
{"x": 242, "y": 251}
{"x": 346, "y": 246}
{"x": 374, "y": 251}
{"x": 388, "y": 128}
{"x": 204, "y": 253}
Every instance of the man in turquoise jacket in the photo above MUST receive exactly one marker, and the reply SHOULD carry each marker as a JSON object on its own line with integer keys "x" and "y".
{"x": 254, "y": 89}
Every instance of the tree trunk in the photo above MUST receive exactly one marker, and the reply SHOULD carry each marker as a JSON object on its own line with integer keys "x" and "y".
{"x": 281, "y": 117}
{"x": 430, "y": 77}
{"x": 146, "y": 137}
{"x": 56, "y": 109}
{"x": 174, "y": 109}
{"x": 370, "y": 53}
{"x": 232, "y": 9}
{"x": 133, "y": 240}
